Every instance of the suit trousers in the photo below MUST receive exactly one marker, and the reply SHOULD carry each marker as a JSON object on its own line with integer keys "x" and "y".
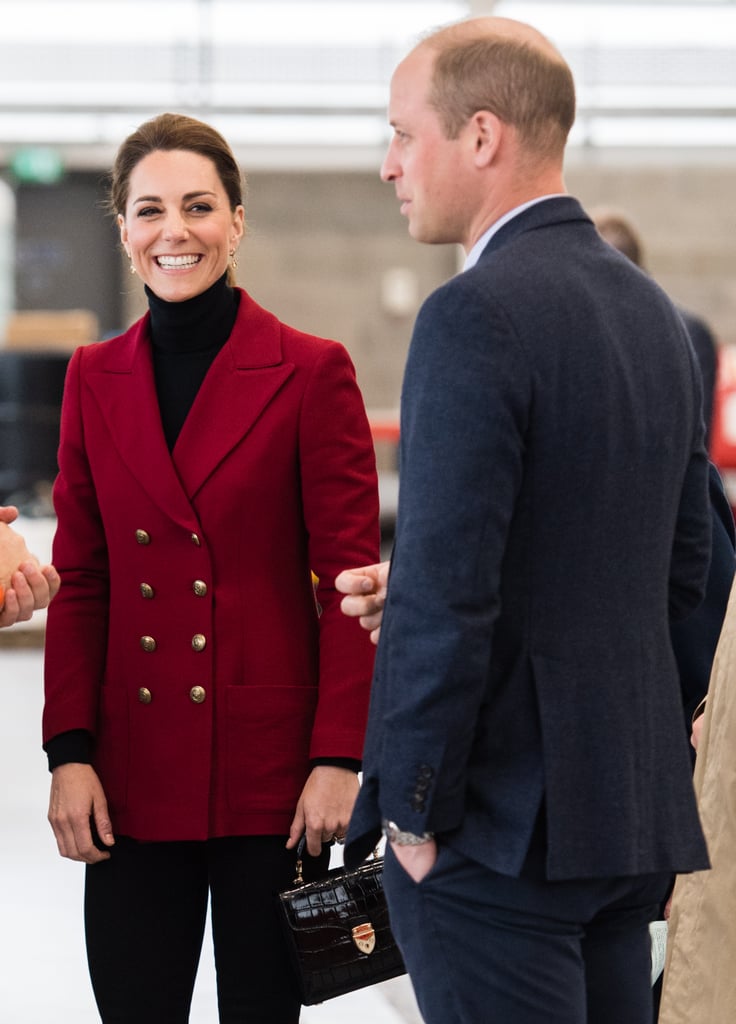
{"x": 145, "y": 913}
{"x": 482, "y": 947}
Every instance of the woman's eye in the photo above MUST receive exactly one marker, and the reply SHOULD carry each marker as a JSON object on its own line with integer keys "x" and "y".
{"x": 148, "y": 211}
{"x": 200, "y": 208}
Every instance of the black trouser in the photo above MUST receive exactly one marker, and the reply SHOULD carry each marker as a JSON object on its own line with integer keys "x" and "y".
{"x": 145, "y": 912}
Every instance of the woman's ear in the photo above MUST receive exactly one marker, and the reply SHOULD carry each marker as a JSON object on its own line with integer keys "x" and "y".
{"x": 238, "y": 226}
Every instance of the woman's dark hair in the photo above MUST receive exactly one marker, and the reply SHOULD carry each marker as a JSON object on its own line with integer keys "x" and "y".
{"x": 174, "y": 131}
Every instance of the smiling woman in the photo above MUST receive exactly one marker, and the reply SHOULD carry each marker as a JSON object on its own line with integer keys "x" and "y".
{"x": 205, "y": 703}
{"x": 179, "y": 238}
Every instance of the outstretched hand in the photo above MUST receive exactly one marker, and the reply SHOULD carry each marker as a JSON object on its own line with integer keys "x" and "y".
{"x": 27, "y": 585}
{"x": 365, "y": 590}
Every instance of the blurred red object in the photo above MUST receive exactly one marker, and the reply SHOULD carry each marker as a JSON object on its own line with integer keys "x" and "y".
{"x": 723, "y": 427}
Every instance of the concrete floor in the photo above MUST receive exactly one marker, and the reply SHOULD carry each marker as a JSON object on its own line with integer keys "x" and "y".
{"x": 43, "y": 972}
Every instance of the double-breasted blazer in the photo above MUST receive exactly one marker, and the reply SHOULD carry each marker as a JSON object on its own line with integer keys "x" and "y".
{"x": 553, "y": 514}
{"x": 188, "y": 639}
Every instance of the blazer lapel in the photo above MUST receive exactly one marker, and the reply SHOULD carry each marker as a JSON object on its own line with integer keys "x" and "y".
{"x": 125, "y": 392}
{"x": 242, "y": 380}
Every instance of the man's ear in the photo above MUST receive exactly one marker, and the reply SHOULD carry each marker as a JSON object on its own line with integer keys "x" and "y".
{"x": 486, "y": 132}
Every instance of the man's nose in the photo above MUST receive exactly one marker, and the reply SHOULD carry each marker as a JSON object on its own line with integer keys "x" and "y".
{"x": 389, "y": 167}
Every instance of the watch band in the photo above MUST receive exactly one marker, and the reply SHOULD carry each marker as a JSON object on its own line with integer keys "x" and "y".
{"x": 394, "y": 834}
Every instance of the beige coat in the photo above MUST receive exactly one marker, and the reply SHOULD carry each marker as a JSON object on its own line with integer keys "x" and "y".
{"x": 700, "y": 972}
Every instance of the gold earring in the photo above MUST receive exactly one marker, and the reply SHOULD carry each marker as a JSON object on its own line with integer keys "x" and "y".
{"x": 132, "y": 268}
{"x": 233, "y": 260}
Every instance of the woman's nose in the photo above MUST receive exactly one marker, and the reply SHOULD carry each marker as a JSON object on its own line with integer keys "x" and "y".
{"x": 175, "y": 227}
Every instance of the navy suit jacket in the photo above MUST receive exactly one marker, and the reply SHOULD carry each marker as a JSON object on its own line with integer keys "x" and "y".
{"x": 553, "y": 516}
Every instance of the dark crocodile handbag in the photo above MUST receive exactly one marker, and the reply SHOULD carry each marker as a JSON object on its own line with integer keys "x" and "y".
{"x": 338, "y": 931}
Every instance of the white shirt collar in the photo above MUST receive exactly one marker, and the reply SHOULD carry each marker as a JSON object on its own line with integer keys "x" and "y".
{"x": 474, "y": 254}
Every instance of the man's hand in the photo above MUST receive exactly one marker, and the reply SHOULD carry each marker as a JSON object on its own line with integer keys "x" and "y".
{"x": 13, "y": 550}
{"x": 27, "y": 585}
{"x": 366, "y": 594}
{"x": 31, "y": 587}
{"x": 77, "y": 800}
{"x": 417, "y": 861}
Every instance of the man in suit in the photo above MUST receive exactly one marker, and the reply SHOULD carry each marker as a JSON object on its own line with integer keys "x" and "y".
{"x": 525, "y": 756}
{"x": 25, "y": 585}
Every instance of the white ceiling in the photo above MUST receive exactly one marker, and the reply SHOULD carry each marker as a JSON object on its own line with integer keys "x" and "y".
{"x": 304, "y": 83}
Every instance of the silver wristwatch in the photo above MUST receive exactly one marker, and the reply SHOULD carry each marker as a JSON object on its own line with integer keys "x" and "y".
{"x": 394, "y": 834}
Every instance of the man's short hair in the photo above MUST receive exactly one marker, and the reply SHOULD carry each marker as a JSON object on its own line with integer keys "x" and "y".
{"x": 523, "y": 85}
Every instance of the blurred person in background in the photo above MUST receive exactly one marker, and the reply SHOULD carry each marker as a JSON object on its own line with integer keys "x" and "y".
{"x": 699, "y": 984}
{"x": 205, "y": 700}
{"x": 619, "y": 231}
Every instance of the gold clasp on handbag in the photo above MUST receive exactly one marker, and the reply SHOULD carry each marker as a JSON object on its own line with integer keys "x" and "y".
{"x": 364, "y": 937}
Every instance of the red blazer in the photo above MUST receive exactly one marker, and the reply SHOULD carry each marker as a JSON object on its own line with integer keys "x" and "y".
{"x": 186, "y": 637}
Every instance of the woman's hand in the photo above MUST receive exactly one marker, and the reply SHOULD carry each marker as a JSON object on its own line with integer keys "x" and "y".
{"x": 366, "y": 594}
{"x": 324, "y": 807}
{"x": 77, "y": 800}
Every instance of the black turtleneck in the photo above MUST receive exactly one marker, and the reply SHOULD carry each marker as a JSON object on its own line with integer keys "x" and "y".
{"x": 186, "y": 337}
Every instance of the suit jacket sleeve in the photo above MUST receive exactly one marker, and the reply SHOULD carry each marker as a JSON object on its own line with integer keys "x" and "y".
{"x": 444, "y": 592}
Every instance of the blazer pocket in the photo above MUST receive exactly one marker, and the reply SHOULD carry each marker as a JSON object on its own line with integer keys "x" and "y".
{"x": 268, "y": 735}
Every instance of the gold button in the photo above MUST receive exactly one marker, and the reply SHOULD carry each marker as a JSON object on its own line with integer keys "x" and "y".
{"x": 146, "y": 591}
{"x": 197, "y": 694}
{"x": 199, "y": 642}
{"x": 195, "y": 539}
{"x": 200, "y": 588}
{"x": 148, "y": 643}
{"x": 142, "y": 537}
{"x": 144, "y": 695}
